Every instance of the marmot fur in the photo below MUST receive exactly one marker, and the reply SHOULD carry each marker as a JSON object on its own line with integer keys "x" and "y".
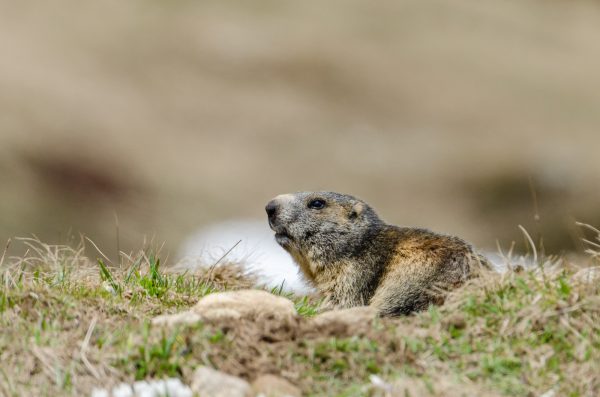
{"x": 354, "y": 258}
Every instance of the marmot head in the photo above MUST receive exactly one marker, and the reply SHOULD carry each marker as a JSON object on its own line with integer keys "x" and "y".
{"x": 321, "y": 225}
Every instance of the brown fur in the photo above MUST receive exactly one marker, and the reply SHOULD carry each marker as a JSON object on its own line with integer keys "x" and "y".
{"x": 354, "y": 259}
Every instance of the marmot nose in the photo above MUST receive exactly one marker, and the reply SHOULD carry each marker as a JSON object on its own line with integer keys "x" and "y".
{"x": 271, "y": 209}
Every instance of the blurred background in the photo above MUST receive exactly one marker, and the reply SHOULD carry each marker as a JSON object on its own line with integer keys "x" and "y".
{"x": 160, "y": 116}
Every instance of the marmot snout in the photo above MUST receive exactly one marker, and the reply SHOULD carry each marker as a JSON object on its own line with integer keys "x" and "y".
{"x": 354, "y": 258}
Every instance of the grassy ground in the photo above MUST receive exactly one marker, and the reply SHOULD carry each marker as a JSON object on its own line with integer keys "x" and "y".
{"x": 70, "y": 323}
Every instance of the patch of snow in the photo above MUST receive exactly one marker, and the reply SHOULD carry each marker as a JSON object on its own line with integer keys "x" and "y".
{"x": 256, "y": 249}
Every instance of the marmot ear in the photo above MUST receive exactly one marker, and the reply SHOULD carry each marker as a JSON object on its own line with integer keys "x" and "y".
{"x": 356, "y": 210}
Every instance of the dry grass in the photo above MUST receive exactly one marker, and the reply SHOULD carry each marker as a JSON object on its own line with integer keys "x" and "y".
{"x": 52, "y": 297}
{"x": 70, "y": 324}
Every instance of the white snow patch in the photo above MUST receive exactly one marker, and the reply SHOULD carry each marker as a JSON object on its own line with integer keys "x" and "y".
{"x": 257, "y": 250}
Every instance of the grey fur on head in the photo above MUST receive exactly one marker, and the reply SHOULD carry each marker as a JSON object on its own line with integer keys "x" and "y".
{"x": 300, "y": 227}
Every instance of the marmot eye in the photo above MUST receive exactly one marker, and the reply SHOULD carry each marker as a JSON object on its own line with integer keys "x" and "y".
{"x": 316, "y": 204}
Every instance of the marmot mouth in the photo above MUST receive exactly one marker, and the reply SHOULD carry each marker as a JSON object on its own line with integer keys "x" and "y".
{"x": 282, "y": 237}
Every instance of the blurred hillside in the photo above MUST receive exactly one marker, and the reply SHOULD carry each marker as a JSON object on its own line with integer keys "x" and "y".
{"x": 467, "y": 117}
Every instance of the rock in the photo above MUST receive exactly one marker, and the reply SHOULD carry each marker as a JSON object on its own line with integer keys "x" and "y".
{"x": 233, "y": 305}
{"x": 207, "y": 382}
{"x": 186, "y": 317}
{"x": 171, "y": 387}
{"x": 274, "y": 386}
{"x": 96, "y": 392}
{"x": 122, "y": 390}
{"x": 244, "y": 304}
{"x": 352, "y": 316}
{"x": 342, "y": 322}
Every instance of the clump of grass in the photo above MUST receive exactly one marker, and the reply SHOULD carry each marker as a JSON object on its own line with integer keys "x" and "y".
{"x": 521, "y": 332}
{"x": 136, "y": 284}
{"x": 593, "y": 247}
{"x": 156, "y": 358}
{"x": 306, "y": 306}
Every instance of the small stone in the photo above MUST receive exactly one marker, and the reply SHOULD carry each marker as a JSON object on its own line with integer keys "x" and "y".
{"x": 148, "y": 393}
{"x": 176, "y": 388}
{"x": 141, "y": 386}
{"x": 244, "y": 304}
{"x": 100, "y": 393}
{"x": 343, "y": 322}
{"x": 122, "y": 390}
{"x": 159, "y": 388}
{"x": 381, "y": 384}
{"x": 186, "y": 317}
{"x": 274, "y": 386}
{"x": 233, "y": 305}
{"x": 208, "y": 382}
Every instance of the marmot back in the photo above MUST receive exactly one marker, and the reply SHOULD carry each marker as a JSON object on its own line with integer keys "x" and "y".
{"x": 354, "y": 258}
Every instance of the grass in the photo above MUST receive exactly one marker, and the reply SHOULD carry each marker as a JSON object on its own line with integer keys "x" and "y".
{"x": 70, "y": 323}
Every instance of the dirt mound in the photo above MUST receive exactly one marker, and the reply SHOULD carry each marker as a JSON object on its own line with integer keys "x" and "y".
{"x": 252, "y": 343}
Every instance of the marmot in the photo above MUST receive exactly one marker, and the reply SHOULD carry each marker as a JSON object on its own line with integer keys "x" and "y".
{"x": 354, "y": 258}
